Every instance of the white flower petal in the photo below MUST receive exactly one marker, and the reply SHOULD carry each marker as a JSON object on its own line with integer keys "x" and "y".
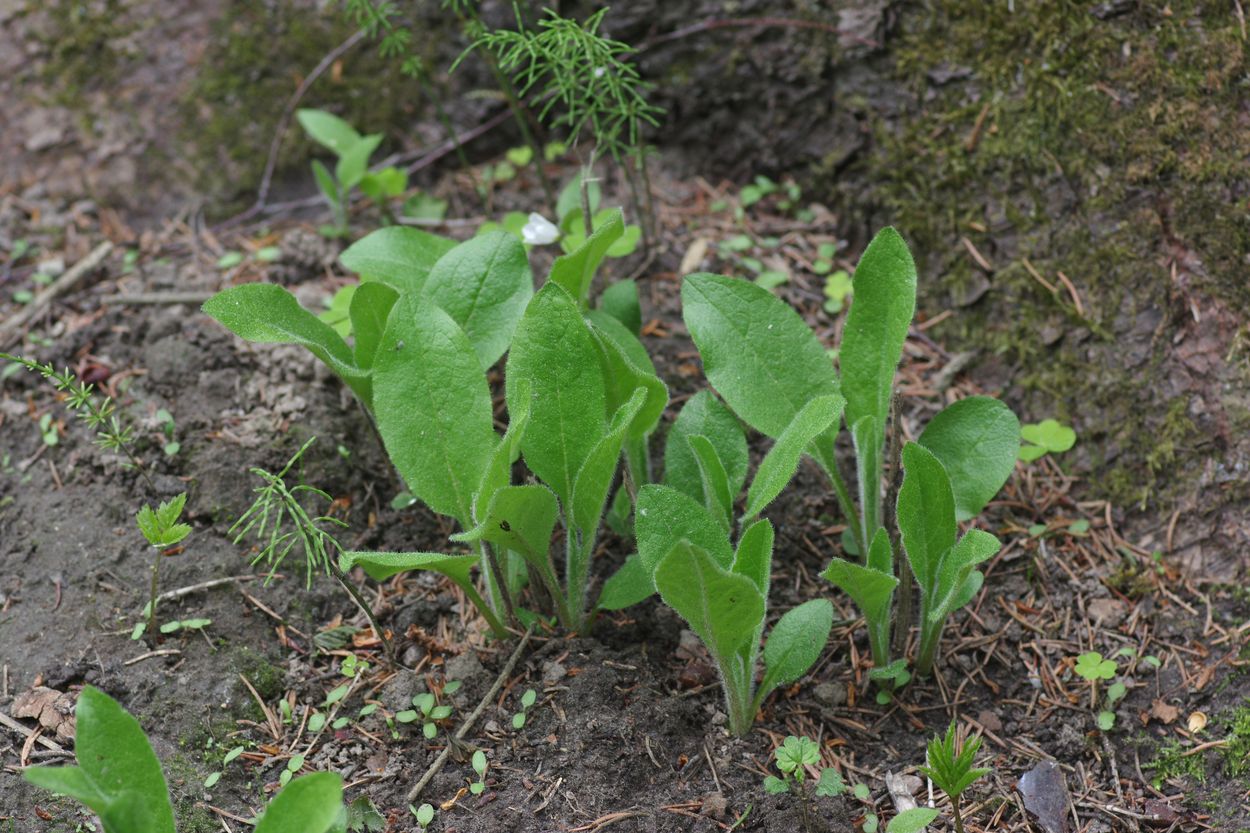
{"x": 539, "y": 231}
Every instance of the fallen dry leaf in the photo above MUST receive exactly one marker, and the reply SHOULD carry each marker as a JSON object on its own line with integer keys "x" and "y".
{"x": 694, "y": 256}
{"x": 1045, "y": 794}
{"x": 1164, "y": 712}
{"x": 53, "y": 709}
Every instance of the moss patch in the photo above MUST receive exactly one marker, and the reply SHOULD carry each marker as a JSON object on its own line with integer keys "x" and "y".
{"x": 1105, "y": 149}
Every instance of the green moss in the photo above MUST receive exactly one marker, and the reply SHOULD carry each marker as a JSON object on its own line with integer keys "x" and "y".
{"x": 1236, "y": 752}
{"x": 267, "y": 678}
{"x": 1105, "y": 149}
{"x": 257, "y": 55}
{"x": 84, "y": 48}
{"x": 1172, "y": 762}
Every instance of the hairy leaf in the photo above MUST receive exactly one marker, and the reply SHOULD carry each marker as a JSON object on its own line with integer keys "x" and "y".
{"x": 311, "y": 804}
{"x": 370, "y": 307}
{"x": 433, "y": 407}
{"x": 926, "y": 513}
{"x": 498, "y": 470}
{"x": 575, "y": 271}
{"x": 484, "y": 284}
{"x": 399, "y": 256}
{"x": 977, "y": 440}
{"x": 519, "y": 518}
{"x": 383, "y": 565}
{"x": 876, "y": 327}
{"x": 628, "y": 586}
{"x": 956, "y": 569}
{"x": 782, "y": 460}
{"x": 722, "y": 608}
{"x": 553, "y": 351}
{"x": 717, "y": 497}
{"x": 665, "y": 516}
{"x": 626, "y": 367}
{"x": 620, "y": 300}
{"x": 757, "y": 352}
{"x": 754, "y": 557}
{"x": 795, "y": 643}
{"x": 704, "y": 414}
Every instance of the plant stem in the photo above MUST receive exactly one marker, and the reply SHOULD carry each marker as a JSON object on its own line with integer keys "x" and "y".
{"x": 492, "y": 619}
{"x": 519, "y": 114}
{"x": 588, "y": 223}
{"x": 827, "y": 458}
{"x": 156, "y": 580}
{"x": 498, "y": 581}
{"x": 959, "y": 819}
{"x": 387, "y": 647}
{"x": 930, "y": 637}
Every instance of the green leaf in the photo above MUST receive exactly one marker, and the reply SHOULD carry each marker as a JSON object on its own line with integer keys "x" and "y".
{"x": 955, "y": 569}
{"x": 871, "y": 589}
{"x": 620, "y": 300}
{"x": 757, "y": 352}
{"x": 754, "y": 556}
{"x": 354, "y": 162}
{"x": 383, "y": 565}
{"x": 1050, "y": 435}
{"x": 926, "y": 514}
{"x": 666, "y": 516}
{"x": 1106, "y": 720}
{"x": 626, "y": 368}
{"x": 868, "y": 441}
{"x": 795, "y": 753}
{"x": 498, "y": 470}
{"x": 912, "y": 821}
{"x": 722, "y": 608}
{"x": 554, "y": 351}
{"x": 371, "y": 305}
{"x": 328, "y": 130}
{"x": 118, "y": 775}
{"x": 570, "y": 198}
{"x": 775, "y": 786}
{"x": 717, "y": 497}
{"x": 399, "y": 256}
{"x": 795, "y": 643}
{"x": 520, "y": 156}
{"x": 628, "y": 586}
{"x": 594, "y": 478}
{"x": 519, "y": 518}
{"x": 575, "y": 271}
{"x": 782, "y": 460}
{"x": 311, "y": 804}
{"x": 325, "y": 184}
{"x": 705, "y": 415}
{"x": 268, "y": 314}
{"x": 976, "y": 440}
{"x": 830, "y": 784}
{"x": 160, "y": 527}
{"x": 1093, "y": 667}
{"x": 338, "y": 311}
{"x": 876, "y": 327}
{"x": 484, "y": 284}
{"x": 433, "y": 407}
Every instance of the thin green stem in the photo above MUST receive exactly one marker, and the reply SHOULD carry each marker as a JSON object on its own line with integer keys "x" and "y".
{"x": 475, "y": 598}
{"x": 930, "y": 638}
{"x": 827, "y": 458}
{"x": 959, "y": 819}
{"x": 387, "y": 647}
{"x": 496, "y": 581}
{"x": 156, "y": 583}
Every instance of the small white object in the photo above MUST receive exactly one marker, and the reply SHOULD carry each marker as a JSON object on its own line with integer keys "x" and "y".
{"x": 539, "y": 231}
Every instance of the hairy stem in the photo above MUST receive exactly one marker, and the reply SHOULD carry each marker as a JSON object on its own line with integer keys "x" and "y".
{"x": 388, "y": 647}
{"x": 827, "y": 458}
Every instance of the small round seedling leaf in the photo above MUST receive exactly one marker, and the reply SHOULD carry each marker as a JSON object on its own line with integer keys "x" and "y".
{"x": 429, "y": 730}
{"x": 518, "y": 720}
{"x": 424, "y": 814}
{"x": 1106, "y": 720}
{"x": 406, "y": 716}
{"x": 774, "y": 785}
{"x": 479, "y": 763}
{"x": 528, "y": 698}
{"x": 861, "y": 792}
{"x": 211, "y": 780}
{"x": 452, "y": 686}
{"x": 232, "y": 754}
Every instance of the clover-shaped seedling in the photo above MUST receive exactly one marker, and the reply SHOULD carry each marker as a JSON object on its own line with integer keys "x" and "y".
{"x": 527, "y": 701}
{"x": 428, "y": 710}
{"x": 1091, "y": 666}
{"x": 479, "y": 766}
{"x": 1042, "y": 438}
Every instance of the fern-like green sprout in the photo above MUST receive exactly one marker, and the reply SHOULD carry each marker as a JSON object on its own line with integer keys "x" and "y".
{"x": 100, "y": 414}
{"x": 950, "y": 767}
{"x": 279, "y": 523}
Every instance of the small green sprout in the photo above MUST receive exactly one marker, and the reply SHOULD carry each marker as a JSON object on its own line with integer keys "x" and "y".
{"x": 1092, "y": 667}
{"x": 1046, "y": 437}
{"x": 527, "y": 701}
{"x": 950, "y": 768}
{"x": 837, "y": 289}
{"x": 424, "y": 814}
{"x": 911, "y": 821}
{"x": 428, "y": 710}
{"x": 166, "y": 422}
{"x": 49, "y": 430}
{"x": 185, "y": 625}
{"x": 294, "y": 765}
{"x": 479, "y": 766}
{"x": 162, "y": 530}
{"x": 793, "y": 757}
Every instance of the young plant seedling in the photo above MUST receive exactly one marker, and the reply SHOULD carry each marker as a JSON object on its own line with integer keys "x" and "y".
{"x": 163, "y": 532}
{"x": 165, "y": 420}
{"x": 479, "y": 766}
{"x": 768, "y": 365}
{"x": 423, "y": 814}
{"x": 683, "y": 530}
{"x": 119, "y": 778}
{"x": 950, "y": 767}
{"x": 527, "y": 702}
{"x": 1046, "y": 437}
{"x": 793, "y": 757}
{"x": 1091, "y": 667}
{"x": 351, "y": 169}
{"x": 428, "y": 711}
